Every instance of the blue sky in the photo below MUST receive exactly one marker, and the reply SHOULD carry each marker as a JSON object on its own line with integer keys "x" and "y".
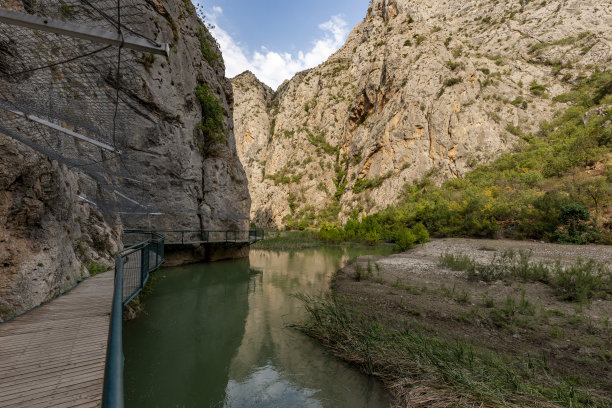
{"x": 278, "y": 38}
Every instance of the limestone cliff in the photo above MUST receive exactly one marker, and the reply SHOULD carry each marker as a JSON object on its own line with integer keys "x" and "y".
{"x": 51, "y": 232}
{"x": 196, "y": 185}
{"x": 421, "y": 88}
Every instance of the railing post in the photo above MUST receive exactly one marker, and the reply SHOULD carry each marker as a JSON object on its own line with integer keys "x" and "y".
{"x": 207, "y": 236}
{"x": 182, "y": 237}
{"x": 156, "y": 253}
{"x": 226, "y": 235}
{"x": 112, "y": 393}
{"x": 163, "y": 248}
{"x": 144, "y": 264}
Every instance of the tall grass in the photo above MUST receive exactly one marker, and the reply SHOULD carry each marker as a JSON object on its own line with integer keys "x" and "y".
{"x": 419, "y": 354}
{"x": 579, "y": 282}
{"x": 288, "y": 240}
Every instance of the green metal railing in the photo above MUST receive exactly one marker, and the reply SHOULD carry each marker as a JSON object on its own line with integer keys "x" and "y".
{"x": 188, "y": 237}
{"x": 133, "y": 266}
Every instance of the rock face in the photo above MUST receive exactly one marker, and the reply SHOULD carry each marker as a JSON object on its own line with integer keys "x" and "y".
{"x": 196, "y": 185}
{"x": 421, "y": 88}
{"x": 50, "y": 237}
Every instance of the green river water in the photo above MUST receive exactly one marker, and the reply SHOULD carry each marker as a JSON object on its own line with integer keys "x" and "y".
{"x": 216, "y": 335}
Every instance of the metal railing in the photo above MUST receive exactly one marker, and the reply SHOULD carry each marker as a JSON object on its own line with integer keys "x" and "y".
{"x": 133, "y": 266}
{"x": 188, "y": 237}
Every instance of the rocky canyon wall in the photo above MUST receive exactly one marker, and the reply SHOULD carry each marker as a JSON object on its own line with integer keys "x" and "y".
{"x": 422, "y": 88}
{"x": 53, "y": 231}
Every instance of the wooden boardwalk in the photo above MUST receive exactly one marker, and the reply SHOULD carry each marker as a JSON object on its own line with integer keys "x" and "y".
{"x": 54, "y": 356}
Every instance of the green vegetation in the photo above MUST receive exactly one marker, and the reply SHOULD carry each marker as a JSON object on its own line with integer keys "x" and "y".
{"x": 538, "y": 47}
{"x": 212, "y": 125}
{"x": 537, "y": 89}
{"x": 418, "y": 39}
{"x": 580, "y": 281}
{"x": 452, "y": 65}
{"x": 375, "y": 229}
{"x": 95, "y": 268}
{"x": 542, "y": 192}
{"x": 288, "y": 240}
{"x": 147, "y": 60}
{"x": 365, "y": 184}
{"x": 320, "y": 142}
{"x": 65, "y": 9}
{"x": 189, "y": 7}
{"x": 448, "y": 83}
{"x": 208, "y": 51}
{"x": 453, "y": 369}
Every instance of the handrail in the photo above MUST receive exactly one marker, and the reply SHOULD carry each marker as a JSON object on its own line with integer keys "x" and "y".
{"x": 112, "y": 394}
{"x": 204, "y": 236}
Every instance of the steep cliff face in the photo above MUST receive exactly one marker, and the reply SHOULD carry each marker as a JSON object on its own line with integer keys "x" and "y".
{"x": 51, "y": 233}
{"x": 49, "y": 239}
{"x": 421, "y": 88}
{"x": 196, "y": 182}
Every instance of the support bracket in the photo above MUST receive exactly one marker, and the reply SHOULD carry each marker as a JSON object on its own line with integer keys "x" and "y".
{"x": 59, "y": 128}
{"x": 79, "y": 31}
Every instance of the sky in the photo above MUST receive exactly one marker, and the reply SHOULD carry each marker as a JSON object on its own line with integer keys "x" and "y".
{"x": 275, "y": 39}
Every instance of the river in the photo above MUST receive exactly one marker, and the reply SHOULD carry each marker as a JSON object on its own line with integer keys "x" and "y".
{"x": 216, "y": 335}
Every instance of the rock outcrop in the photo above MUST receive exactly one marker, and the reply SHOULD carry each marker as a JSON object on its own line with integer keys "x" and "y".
{"x": 420, "y": 89}
{"x": 51, "y": 232}
{"x": 49, "y": 239}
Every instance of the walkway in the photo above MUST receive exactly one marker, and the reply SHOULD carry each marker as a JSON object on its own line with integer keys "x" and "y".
{"x": 54, "y": 356}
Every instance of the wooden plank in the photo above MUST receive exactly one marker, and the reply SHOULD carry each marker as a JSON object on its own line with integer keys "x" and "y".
{"x": 55, "y": 355}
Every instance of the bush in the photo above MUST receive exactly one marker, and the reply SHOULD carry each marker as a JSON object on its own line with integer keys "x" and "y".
{"x": 575, "y": 227}
{"x": 331, "y": 233}
{"x": 583, "y": 281}
{"x": 211, "y": 125}
{"x": 536, "y": 88}
{"x": 208, "y": 52}
{"x": 95, "y": 268}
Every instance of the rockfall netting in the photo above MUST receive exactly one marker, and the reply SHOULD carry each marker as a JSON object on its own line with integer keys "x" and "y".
{"x": 69, "y": 98}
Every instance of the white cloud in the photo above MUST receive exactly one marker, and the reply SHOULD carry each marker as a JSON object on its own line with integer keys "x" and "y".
{"x": 273, "y": 67}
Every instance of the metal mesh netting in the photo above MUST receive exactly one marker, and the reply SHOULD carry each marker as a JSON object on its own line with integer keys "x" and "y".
{"x": 53, "y": 84}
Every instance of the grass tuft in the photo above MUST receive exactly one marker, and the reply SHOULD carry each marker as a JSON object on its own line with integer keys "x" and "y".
{"x": 578, "y": 282}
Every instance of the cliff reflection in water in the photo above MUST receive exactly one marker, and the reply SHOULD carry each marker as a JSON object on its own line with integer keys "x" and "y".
{"x": 177, "y": 354}
{"x": 215, "y": 335}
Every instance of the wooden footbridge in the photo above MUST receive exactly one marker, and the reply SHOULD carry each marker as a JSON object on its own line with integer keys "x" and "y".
{"x": 69, "y": 353}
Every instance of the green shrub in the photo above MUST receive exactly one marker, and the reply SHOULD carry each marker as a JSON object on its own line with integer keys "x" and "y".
{"x": 575, "y": 227}
{"x": 536, "y": 88}
{"x": 331, "y": 233}
{"x": 419, "y": 39}
{"x": 95, "y": 268}
{"x": 365, "y": 184}
{"x": 211, "y": 125}
{"x": 583, "y": 281}
{"x": 522, "y": 194}
{"x": 208, "y": 51}
{"x": 578, "y": 282}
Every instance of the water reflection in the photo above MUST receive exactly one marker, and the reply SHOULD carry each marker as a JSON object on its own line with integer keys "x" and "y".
{"x": 177, "y": 355}
{"x": 215, "y": 335}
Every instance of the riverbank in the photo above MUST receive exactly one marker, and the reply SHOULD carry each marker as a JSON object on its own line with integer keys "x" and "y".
{"x": 470, "y": 323}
